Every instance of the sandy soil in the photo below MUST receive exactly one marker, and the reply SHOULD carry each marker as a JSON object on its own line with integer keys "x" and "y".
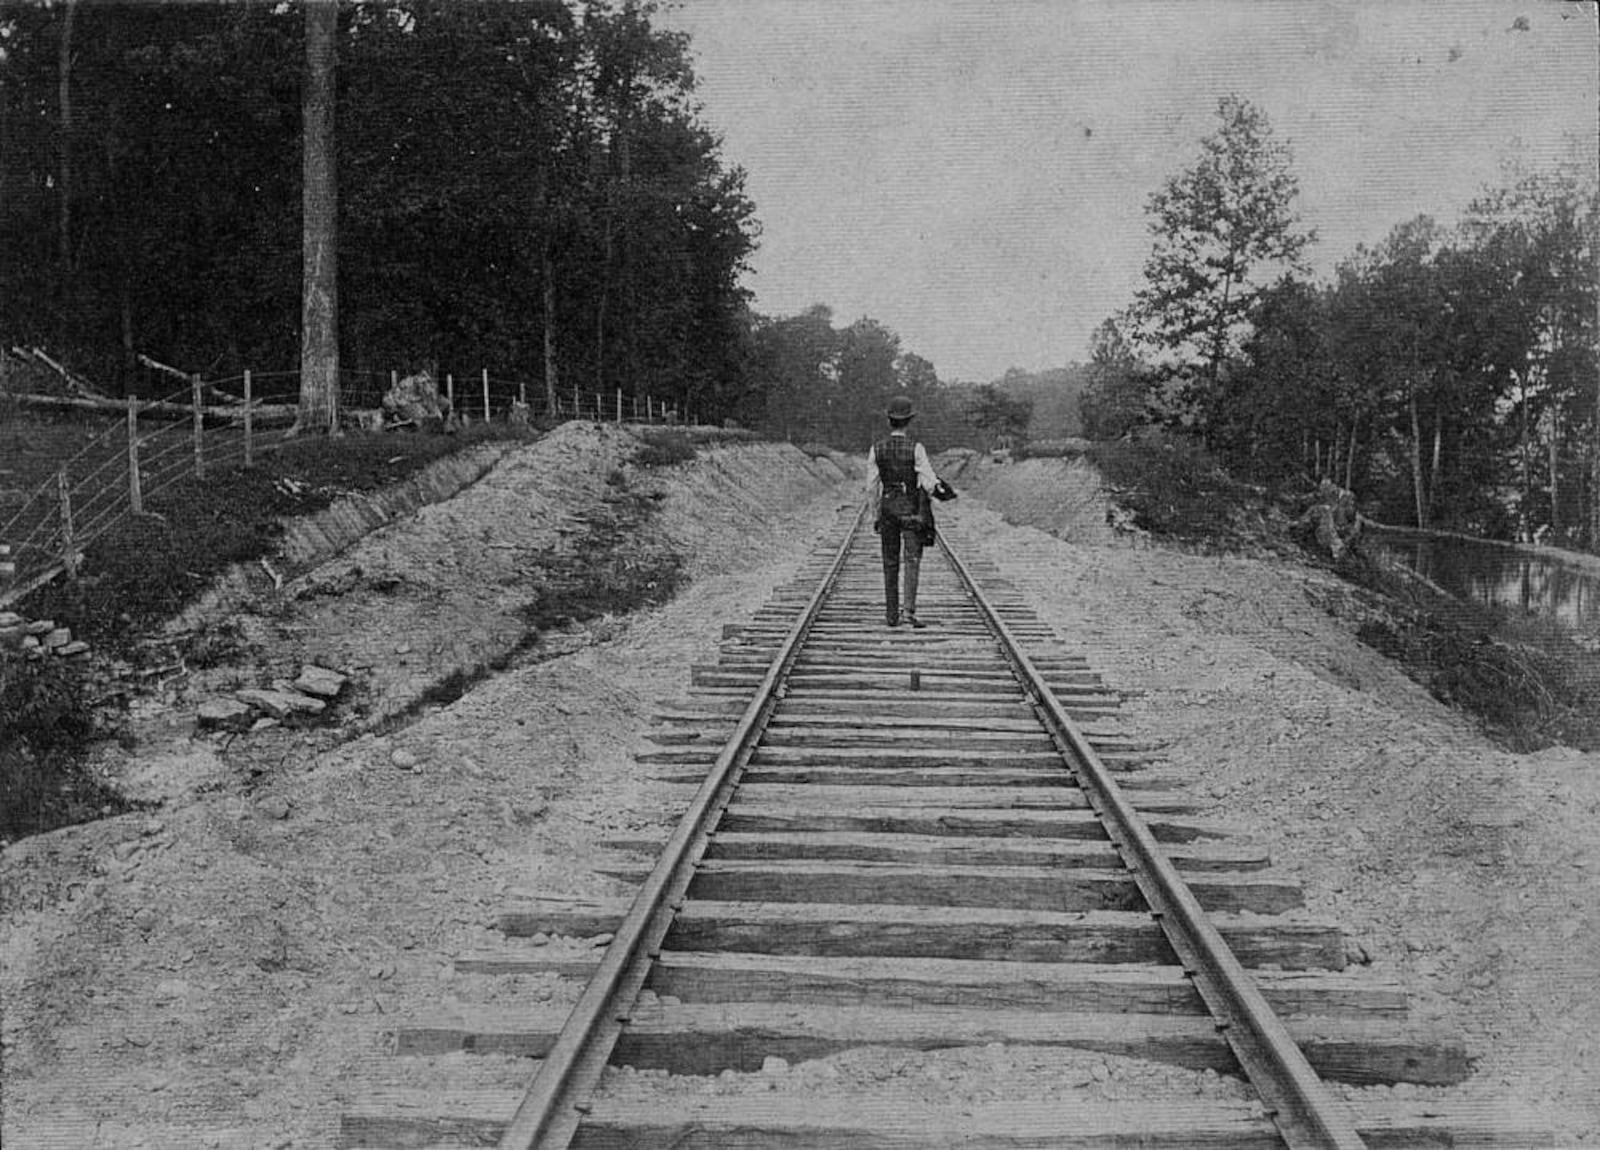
{"x": 221, "y": 972}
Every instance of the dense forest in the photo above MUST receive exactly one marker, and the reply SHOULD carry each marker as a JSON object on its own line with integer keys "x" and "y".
{"x": 1447, "y": 376}
{"x": 521, "y": 185}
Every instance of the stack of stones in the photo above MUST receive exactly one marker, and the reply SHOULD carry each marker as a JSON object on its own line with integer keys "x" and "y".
{"x": 306, "y": 697}
{"x": 37, "y": 638}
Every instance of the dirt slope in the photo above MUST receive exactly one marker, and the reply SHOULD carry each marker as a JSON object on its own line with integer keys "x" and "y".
{"x": 222, "y": 972}
{"x": 1470, "y": 873}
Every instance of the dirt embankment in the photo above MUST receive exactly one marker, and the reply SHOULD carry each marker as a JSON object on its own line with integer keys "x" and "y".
{"x": 222, "y": 973}
{"x": 1471, "y": 874}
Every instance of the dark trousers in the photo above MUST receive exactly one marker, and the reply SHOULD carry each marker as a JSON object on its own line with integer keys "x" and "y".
{"x": 901, "y": 541}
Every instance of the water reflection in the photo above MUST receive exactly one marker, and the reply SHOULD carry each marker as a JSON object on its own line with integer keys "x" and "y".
{"x": 1501, "y": 576}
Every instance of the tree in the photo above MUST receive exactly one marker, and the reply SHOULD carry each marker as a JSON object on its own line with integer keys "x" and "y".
{"x": 1115, "y": 398}
{"x": 1002, "y": 418}
{"x": 1217, "y": 226}
{"x": 1540, "y": 231}
{"x": 319, "y": 323}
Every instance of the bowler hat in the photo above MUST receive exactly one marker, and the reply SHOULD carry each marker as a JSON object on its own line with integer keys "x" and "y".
{"x": 900, "y": 407}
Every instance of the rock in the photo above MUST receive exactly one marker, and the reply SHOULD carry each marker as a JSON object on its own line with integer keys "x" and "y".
{"x": 772, "y": 1064}
{"x": 78, "y": 647}
{"x": 57, "y": 637}
{"x": 403, "y": 758}
{"x": 39, "y": 627}
{"x": 11, "y": 619}
{"x": 169, "y": 988}
{"x": 320, "y": 681}
{"x": 281, "y": 704}
{"x": 416, "y": 398}
{"x": 224, "y": 715}
{"x": 274, "y": 807}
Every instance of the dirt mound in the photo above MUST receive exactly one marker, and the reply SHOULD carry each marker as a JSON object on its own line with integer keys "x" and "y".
{"x": 1062, "y": 496}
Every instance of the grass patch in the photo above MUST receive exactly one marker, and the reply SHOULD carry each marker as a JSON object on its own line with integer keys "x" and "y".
{"x": 664, "y": 447}
{"x": 615, "y": 568}
{"x": 143, "y": 571}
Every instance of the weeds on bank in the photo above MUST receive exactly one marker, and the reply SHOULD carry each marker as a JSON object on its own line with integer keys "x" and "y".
{"x": 1174, "y": 489}
{"x": 1527, "y": 680}
{"x": 664, "y": 447}
{"x": 145, "y": 570}
{"x": 613, "y": 568}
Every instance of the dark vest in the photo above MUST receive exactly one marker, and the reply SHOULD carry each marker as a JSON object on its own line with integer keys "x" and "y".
{"x": 897, "y": 462}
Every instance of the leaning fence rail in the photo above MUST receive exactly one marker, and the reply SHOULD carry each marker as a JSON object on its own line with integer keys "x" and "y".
{"x": 150, "y": 445}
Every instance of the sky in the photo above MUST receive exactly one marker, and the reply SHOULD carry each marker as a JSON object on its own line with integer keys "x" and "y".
{"x": 973, "y": 173}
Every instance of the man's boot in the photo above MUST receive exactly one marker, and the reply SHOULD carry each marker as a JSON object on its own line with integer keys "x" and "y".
{"x": 913, "y": 571}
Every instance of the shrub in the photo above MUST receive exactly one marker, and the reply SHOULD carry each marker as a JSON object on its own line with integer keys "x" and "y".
{"x": 1172, "y": 486}
{"x": 45, "y": 728}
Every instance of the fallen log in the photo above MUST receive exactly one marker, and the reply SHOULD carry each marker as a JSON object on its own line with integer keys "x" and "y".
{"x": 261, "y": 413}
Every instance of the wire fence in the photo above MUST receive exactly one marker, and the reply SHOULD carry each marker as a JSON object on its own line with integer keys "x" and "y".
{"x": 148, "y": 446}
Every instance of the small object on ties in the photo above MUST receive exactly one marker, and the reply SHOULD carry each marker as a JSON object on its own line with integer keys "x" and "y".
{"x": 943, "y": 491}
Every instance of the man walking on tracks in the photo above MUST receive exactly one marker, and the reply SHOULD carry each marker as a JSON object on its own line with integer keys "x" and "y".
{"x": 899, "y": 474}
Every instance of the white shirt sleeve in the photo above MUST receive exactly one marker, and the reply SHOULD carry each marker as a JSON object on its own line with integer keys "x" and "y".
{"x": 926, "y": 479}
{"x": 873, "y": 482}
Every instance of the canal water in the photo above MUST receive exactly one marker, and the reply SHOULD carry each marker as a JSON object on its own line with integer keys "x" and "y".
{"x": 1501, "y": 576}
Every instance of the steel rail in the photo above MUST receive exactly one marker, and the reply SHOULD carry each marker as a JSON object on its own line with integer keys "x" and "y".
{"x": 1305, "y": 1113}
{"x": 553, "y": 1107}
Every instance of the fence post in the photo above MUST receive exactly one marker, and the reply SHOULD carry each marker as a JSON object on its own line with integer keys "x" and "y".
{"x": 69, "y": 542}
{"x": 199, "y": 423}
{"x": 486, "y": 395}
{"x": 619, "y": 405}
{"x": 522, "y": 392}
{"x": 649, "y": 410}
{"x": 249, "y": 423}
{"x": 450, "y": 390}
{"x": 135, "y": 487}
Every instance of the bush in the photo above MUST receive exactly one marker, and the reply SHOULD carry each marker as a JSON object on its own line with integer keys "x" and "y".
{"x": 143, "y": 571}
{"x": 1172, "y": 486}
{"x": 45, "y": 729}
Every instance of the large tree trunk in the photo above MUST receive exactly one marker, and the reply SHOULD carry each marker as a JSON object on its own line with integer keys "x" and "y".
{"x": 548, "y": 271}
{"x": 319, "y": 330}
{"x": 64, "y": 316}
{"x": 1524, "y": 443}
{"x": 1350, "y": 458}
{"x": 1416, "y": 462}
{"x": 1434, "y": 465}
{"x": 1555, "y": 475}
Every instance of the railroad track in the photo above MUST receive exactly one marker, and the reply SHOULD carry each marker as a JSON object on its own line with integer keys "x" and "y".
{"x": 929, "y": 841}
